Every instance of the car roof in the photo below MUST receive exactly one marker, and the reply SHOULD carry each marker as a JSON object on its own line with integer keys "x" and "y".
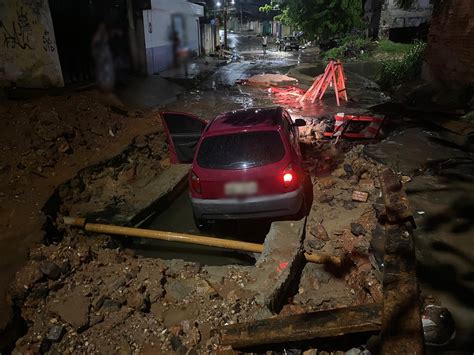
{"x": 246, "y": 119}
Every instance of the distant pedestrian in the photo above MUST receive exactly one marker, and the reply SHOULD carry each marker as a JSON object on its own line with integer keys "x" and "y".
{"x": 104, "y": 63}
{"x": 264, "y": 44}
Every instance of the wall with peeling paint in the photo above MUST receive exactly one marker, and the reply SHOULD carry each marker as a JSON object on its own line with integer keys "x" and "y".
{"x": 28, "y": 54}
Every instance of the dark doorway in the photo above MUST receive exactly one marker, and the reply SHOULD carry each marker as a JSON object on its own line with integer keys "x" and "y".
{"x": 409, "y": 34}
{"x": 75, "y": 23}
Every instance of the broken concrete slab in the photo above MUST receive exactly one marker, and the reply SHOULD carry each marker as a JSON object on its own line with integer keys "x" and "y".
{"x": 156, "y": 193}
{"x": 278, "y": 265}
{"x": 73, "y": 310}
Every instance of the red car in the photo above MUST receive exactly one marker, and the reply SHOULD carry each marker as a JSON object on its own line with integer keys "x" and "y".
{"x": 246, "y": 164}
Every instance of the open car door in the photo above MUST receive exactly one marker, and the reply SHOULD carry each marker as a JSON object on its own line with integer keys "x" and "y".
{"x": 183, "y": 133}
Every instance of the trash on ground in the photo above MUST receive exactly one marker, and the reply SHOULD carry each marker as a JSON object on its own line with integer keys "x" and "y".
{"x": 269, "y": 80}
{"x": 360, "y": 196}
{"x": 355, "y": 126}
{"x": 438, "y": 325}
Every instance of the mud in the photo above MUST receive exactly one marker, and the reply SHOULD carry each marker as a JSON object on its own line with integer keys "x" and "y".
{"x": 44, "y": 142}
{"x": 84, "y": 293}
{"x": 76, "y": 292}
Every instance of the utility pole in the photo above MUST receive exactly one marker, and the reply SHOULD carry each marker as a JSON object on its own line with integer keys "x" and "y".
{"x": 226, "y": 9}
{"x": 225, "y": 24}
{"x": 241, "y": 20}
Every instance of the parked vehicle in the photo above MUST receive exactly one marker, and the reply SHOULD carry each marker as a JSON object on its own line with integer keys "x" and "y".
{"x": 247, "y": 164}
{"x": 289, "y": 43}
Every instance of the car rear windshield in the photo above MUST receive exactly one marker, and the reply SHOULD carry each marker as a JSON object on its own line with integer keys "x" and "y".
{"x": 241, "y": 150}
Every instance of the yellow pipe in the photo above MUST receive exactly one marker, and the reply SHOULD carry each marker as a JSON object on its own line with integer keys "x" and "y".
{"x": 186, "y": 238}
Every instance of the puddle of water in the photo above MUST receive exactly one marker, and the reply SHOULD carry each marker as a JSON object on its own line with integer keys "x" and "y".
{"x": 179, "y": 218}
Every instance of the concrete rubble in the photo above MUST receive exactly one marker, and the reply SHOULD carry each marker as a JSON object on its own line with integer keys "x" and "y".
{"x": 82, "y": 289}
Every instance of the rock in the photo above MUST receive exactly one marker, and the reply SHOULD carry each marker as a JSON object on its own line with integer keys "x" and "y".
{"x": 177, "y": 290}
{"x": 175, "y": 315}
{"x": 124, "y": 347}
{"x": 95, "y": 319}
{"x": 191, "y": 334}
{"x": 203, "y": 287}
{"x": 262, "y": 313}
{"x": 315, "y": 244}
{"x": 352, "y": 244}
{"x": 323, "y": 196}
{"x": 64, "y": 147}
{"x": 139, "y": 302}
{"x": 140, "y": 142}
{"x": 50, "y": 270}
{"x": 318, "y": 231}
{"x": 348, "y": 169}
{"x": 326, "y": 182}
{"x": 339, "y": 172}
{"x": 55, "y": 333}
{"x": 74, "y": 309}
{"x": 405, "y": 179}
{"x": 357, "y": 229}
{"x": 25, "y": 280}
{"x": 348, "y": 205}
{"x": 118, "y": 283}
{"x": 97, "y": 302}
{"x": 367, "y": 185}
{"x": 110, "y": 305}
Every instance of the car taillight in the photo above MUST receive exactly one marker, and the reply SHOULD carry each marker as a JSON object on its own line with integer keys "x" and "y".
{"x": 289, "y": 176}
{"x": 195, "y": 182}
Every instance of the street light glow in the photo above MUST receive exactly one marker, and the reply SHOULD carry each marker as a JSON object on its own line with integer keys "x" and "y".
{"x": 232, "y": 2}
{"x": 218, "y": 4}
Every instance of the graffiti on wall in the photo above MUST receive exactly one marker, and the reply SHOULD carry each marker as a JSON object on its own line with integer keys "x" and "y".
{"x": 48, "y": 44}
{"x": 18, "y": 35}
{"x": 34, "y": 5}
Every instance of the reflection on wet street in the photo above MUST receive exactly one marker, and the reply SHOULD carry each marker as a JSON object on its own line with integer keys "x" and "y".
{"x": 219, "y": 92}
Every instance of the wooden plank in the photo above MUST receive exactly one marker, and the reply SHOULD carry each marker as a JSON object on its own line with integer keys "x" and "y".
{"x": 397, "y": 207}
{"x": 402, "y": 331}
{"x": 323, "y": 324}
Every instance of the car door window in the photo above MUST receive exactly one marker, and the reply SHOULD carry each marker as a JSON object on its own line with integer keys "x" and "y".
{"x": 183, "y": 131}
{"x": 294, "y": 133}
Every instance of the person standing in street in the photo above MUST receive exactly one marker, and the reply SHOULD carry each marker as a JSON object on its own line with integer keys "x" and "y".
{"x": 264, "y": 44}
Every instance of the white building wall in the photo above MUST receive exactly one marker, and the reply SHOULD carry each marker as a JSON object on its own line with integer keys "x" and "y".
{"x": 28, "y": 53}
{"x": 158, "y": 29}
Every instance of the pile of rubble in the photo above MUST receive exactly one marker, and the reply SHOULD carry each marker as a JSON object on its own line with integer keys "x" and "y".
{"x": 44, "y": 130}
{"x": 113, "y": 190}
{"x": 341, "y": 223}
{"x": 86, "y": 295}
{"x": 91, "y": 294}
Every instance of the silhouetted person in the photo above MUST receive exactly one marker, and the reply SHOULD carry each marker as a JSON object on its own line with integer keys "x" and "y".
{"x": 104, "y": 63}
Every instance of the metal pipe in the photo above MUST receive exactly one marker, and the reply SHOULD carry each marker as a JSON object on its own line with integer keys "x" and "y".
{"x": 186, "y": 238}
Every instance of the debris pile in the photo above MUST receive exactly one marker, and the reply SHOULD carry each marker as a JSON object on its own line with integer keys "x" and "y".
{"x": 43, "y": 131}
{"x": 112, "y": 190}
{"x": 338, "y": 224}
{"x": 87, "y": 295}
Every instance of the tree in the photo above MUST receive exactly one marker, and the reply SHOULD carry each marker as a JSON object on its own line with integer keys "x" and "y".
{"x": 324, "y": 18}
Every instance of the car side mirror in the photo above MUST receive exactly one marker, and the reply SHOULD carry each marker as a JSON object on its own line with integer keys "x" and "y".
{"x": 299, "y": 122}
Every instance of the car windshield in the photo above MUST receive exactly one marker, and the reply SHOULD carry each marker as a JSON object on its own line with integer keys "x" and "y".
{"x": 241, "y": 150}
